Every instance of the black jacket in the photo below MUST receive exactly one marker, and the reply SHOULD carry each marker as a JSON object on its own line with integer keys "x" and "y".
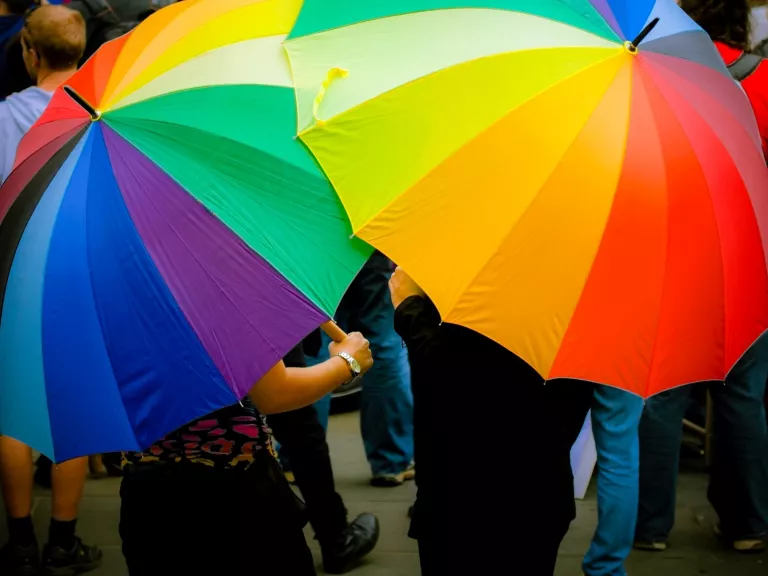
{"x": 492, "y": 440}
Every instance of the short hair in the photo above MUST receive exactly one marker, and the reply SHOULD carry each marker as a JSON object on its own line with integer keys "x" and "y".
{"x": 57, "y": 34}
{"x": 726, "y": 21}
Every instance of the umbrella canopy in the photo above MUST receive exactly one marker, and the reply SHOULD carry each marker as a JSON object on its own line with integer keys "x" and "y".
{"x": 165, "y": 239}
{"x": 581, "y": 181}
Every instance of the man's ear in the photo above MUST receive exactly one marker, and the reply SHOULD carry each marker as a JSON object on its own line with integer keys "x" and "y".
{"x": 29, "y": 48}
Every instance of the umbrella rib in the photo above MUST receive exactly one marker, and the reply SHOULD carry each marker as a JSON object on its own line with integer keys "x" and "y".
{"x": 101, "y": 328}
{"x": 709, "y": 196}
{"x": 615, "y": 36}
{"x": 123, "y": 88}
{"x": 534, "y": 201}
{"x": 723, "y": 109}
{"x": 315, "y": 299}
{"x": 207, "y": 273}
{"x": 357, "y": 229}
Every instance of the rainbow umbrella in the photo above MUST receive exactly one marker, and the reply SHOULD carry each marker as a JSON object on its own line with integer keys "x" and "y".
{"x": 581, "y": 181}
{"x": 164, "y": 240}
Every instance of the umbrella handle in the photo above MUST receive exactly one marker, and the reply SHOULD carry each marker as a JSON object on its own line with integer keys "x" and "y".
{"x": 333, "y": 331}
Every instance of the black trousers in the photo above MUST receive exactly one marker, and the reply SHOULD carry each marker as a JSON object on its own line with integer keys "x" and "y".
{"x": 513, "y": 526}
{"x": 536, "y": 556}
{"x": 303, "y": 438}
{"x": 188, "y": 519}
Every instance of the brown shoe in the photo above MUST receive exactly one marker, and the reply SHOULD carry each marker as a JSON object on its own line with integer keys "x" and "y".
{"x": 394, "y": 480}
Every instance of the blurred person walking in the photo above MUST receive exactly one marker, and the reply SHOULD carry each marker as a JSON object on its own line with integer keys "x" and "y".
{"x": 386, "y": 406}
{"x": 615, "y": 420}
{"x": 52, "y": 39}
{"x": 13, "y": 75}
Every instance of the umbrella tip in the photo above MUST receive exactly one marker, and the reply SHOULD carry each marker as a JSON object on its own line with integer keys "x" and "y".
{"x": 631, "y": 46}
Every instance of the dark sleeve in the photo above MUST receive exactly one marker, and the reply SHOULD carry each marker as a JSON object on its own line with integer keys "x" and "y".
{"x": 417, "y": 321}
{"x": 295, "y": 358}
{"x": 16, "y": 77}
{"x": 313, "y": 343}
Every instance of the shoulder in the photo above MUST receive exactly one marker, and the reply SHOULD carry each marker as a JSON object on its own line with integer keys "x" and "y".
{"x": 33, "y": 99}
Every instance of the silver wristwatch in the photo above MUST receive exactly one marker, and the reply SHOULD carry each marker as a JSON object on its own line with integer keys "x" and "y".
{"x": 354, "y": 365}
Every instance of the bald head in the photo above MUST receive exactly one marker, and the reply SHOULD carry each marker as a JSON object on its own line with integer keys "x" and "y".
{"x": 53, "y": 39}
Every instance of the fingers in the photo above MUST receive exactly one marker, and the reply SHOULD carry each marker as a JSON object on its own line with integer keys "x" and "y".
{"x": 363, "y": 343}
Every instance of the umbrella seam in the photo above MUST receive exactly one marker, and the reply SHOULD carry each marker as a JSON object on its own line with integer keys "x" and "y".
{"x": 534, "y": 201}
{"x": 480, "y": 9}
{"x": 207, "y": 273}
{"x": 327, "y": 121}
{"x": 116, "y": 96}
{"x": 451, "y": 154}
{"x": 130, "y": 420}
{"x": 727, "y": 335}
{"x": 116, "y": 105}
{"x": 314, "y": 297}
{"x": 480, "y": 134}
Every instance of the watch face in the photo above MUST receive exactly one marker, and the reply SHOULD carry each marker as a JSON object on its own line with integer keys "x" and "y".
{"x": 355, "y": 365}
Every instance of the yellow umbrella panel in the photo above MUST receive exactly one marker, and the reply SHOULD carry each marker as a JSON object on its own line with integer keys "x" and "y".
{"x": 590, "y": 201}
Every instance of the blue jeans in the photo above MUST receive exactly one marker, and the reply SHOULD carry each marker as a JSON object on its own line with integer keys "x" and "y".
{"x": 738, "y": 478}
{"x": 386, "y": 404}
{"x": 615, "y": 422}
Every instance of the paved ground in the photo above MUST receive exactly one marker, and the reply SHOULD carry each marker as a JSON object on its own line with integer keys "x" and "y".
{"x": 694, "y": 550}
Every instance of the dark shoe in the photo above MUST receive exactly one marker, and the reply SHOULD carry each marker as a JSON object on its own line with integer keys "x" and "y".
{"x": 60, "y": 562}
{"x": 20, "y": 560}
{"x": 356, "y": 542}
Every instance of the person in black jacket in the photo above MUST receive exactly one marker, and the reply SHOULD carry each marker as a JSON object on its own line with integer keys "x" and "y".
{"x": 478, "y": 405}
{"x": 13, "y": 75}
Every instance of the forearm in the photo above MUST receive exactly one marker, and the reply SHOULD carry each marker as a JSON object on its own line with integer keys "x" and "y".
{"x": 284, "y": 389}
